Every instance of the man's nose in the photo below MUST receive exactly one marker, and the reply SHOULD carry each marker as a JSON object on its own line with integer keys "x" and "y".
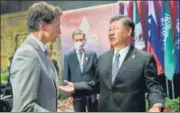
{"x": 60, "y": 30}
{"x": 111, "y": 33}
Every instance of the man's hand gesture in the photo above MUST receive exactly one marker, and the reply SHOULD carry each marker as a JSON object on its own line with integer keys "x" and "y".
{"x": 69, "y": 88}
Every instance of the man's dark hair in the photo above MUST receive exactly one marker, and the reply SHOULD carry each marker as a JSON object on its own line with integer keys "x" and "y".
{"x": 41, "y": 12}
{"x": 78, "y": 32}
{"x": 128, "y": 22}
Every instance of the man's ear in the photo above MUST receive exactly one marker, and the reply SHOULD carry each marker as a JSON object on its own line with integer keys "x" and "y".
{"x": 42, "y": 26}
{"x": 129, "y": 31}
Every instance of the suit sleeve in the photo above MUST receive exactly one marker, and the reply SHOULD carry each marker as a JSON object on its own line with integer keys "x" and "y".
{"x": 26, "y": 82}
{"x": 86, "y": 88}
{"x": 154, "y": 87}
{"x": 66, "y": 69}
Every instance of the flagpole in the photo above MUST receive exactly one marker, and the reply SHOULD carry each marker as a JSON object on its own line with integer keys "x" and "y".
{"x": 172, "y": 84}
{"x": 167, "y": 87}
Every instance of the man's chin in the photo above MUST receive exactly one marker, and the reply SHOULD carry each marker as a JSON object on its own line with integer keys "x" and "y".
{"x": 113, "y": 44}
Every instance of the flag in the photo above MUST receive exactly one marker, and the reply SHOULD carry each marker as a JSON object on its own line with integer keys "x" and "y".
{"x": 177, "y": 40}
{"x": 125, "y": 8}
{"x": 121, "y": 7}
{"x": 169, "y": 52}
{"x": 173, "y": 7}
{"x": 154, "y": 40}
{"x": 112, "y": 11}
{"x": 129, "y": 9}
{"x": 126, "y": 4}
{"x": 143, "y": 16}
{"x": 138, "y": 39}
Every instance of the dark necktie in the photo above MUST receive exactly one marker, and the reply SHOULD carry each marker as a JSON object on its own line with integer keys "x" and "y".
{"x": 49, "y": 60}
{"x": 46, "y": 52}
{"x": 115, "y": 66}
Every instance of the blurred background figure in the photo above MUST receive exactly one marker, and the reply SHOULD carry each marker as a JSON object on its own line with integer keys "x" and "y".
{"x": 80, "y": 66}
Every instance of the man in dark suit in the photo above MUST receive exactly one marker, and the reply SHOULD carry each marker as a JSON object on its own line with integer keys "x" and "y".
{"x": 80, "y": 66}
{"x": 124, "y": 74}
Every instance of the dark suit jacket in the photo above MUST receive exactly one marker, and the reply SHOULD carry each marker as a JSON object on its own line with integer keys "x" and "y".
{"x": 72, "y": 71}
{"x": 137, "y": 75}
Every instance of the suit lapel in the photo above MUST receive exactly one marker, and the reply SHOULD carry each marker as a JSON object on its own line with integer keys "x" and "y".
{"x": 109, "y": 67}
{"x": 53, "y": 70}
{"x": 50, "y": 67}
{"x": 76, "y": 62}
{"x": 43, "y": 57}
{"x": 123, "y": 66}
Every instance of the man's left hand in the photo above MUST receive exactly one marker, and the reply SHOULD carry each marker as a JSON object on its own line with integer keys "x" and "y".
{"x": 58, "y": 110}
{"x": 69, "y": 88}
{"x": 156, "y": 108}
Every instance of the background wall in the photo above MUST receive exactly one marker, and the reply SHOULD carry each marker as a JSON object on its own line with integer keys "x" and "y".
{"x": 14, "y": 29}
{"x": 19, "y": 5}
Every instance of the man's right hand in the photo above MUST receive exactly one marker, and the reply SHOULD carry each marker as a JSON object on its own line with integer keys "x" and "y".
{"x": 69, "y": 88}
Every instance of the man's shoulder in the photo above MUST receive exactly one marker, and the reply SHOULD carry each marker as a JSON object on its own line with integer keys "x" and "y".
{"x": 69, "y": 53}
{"x": 24, "y": 56}
{"x": 142, "y": 53}
{"x": 26, "y": 49}
{"x": 26, "y": 53}
{"x": 90, "y": 52}
{"x": 106, "y": 53}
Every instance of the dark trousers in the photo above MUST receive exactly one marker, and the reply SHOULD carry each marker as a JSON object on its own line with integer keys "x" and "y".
{"x": 81, "y": 103}
{"x": 6, "y": 105}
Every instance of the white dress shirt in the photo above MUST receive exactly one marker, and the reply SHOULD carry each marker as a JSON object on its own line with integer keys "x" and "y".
{"x": 42, "y": 46}
{"x": 81, "y": 61}
{"x": 123, "y": 52}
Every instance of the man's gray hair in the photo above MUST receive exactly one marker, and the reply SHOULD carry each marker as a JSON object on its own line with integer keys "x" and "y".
{"x": 41, "y": 12}
{"x": 78, "y": 32}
